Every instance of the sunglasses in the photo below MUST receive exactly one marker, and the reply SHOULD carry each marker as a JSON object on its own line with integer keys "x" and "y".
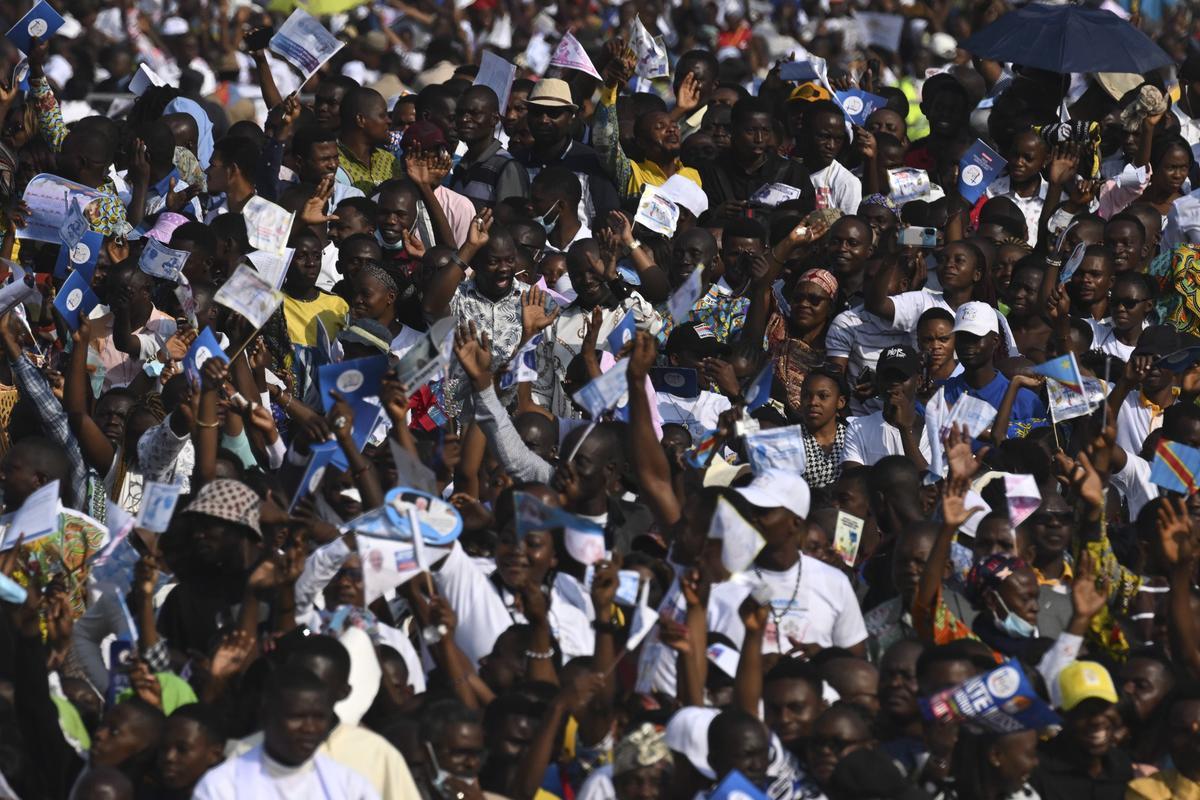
{"x": 1049, "y": 517}
{"x": 1128, "y": 302}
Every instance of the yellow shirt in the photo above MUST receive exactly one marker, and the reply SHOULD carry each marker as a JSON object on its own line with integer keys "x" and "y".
{"x": 1165, "y": 785}
{"x": 302, "y": 316}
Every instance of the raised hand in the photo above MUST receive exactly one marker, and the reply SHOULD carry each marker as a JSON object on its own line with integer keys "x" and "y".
{"x": 313, "y": 212}
{"x": 233, "y": 655}
{"x": 534, "y": 317}
{"x": 645, "y": 350}
{"x": 1177, "y": 543}
{"x": 1089, "y": 593}
{"x": 954, "y": 511}
{"x": 475, "y": 355}
{"x": 688, "y": 97}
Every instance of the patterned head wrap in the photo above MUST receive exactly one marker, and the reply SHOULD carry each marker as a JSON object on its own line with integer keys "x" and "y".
{"x": 383, "y": 276}
{"x": 881, "y": 200}
{"x": 990, "y": 572}
{"x": 1080, "y": 132}
{"x": 645, "y": 747}
{"x": 822, "y": 278}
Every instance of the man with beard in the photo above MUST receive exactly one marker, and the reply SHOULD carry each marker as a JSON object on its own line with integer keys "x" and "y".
{"x": 656, "y": 135}
{"x": 551, "y": 118}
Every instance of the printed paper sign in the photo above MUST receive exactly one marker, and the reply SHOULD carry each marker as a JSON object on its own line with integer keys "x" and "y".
{"x": 143, "y": 79}
{"x": 858, "y": 105}
{"x": 267, "y": 225}
{"x": 319, "y": 458}
{"x": 571, "y": 55}
{"x": 41, "y": 22}
{"x": 354, "y": 380}
{"x": 847, "y": 536}
{"x": 81, "y": 258}
{"x": 882, "y": 30}
{"x": 523, "y": 367}
{"x": 49, "y": 199}
{"x": 677, "y": 381}
{"x": 605, "y": 392}
{"x": 162, "y": 261}
{"x": 425, "y": 360}
{"x": 272, "y": 267}
{"x": 622, "y": 334}
{"x": 908, "y": 183}
{"x": 657, "y": 213}
{"x": 204, "y": 347}
{"x": 74, "y": 226}
{"x": 74, "y": 299}
{"x": 740, "y": 541}
{"x": 803, "y": 71}
{"x": 249, "y": 295}
{"x": 304, "y": 43}
{"x": 651, "y": 53}
{"x": 497, "y": 74}
{"x": 1001, "y": 701}
{"x": 1072, "y": 264}
{"x": 158, "y": 505}
{"x": 628, "y": 581}
{"x": 776, "y": 448}
{"x": 977, "y": 169}
{"x": 1023, "y": 497}
{"x": 37, "y": 517}
{"x": 187, "y": 302}
{"x": 684, "y": 299}
{"x": 759, "y": 392}
{"x": 724, "y": 658}
{"x": 772, "y": 194}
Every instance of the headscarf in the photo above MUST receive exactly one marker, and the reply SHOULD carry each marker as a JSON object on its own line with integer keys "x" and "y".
{"x": 1080, "y": 132}
{"x": 822, "y": 278}
{"x": 204, "y": 141}
{"x": 990, "y": 572}
{"x": 645, "y": 747}
{"x": 881, "y": 200}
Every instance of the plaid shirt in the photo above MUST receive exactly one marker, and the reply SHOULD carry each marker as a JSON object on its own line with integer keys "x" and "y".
{"x": 32, "y": 383}
{"x": 108, "y": 216}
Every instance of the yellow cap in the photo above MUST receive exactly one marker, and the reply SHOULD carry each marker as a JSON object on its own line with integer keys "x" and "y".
{"x": 1085, "y": 680}
{"x": 809, "y": 92}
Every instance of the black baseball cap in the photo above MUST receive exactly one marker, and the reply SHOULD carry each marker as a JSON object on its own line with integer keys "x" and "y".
{"x": 899, "y": 358}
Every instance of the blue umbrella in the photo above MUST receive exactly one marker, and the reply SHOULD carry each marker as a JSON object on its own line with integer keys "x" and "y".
{"x": 1068, "y": 38}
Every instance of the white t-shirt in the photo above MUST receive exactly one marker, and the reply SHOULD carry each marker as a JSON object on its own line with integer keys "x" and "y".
{"x": 837, "y": 187}
{"x": 824, "y": 612}
{"x": 1104, "y": 339}
{"x": 1135, "y": 422}
{"x": 255, "y": 774}
{"x": 697, "y": 414}
{"x": 1031, "y": 207}
{"x": 870, "y": 438}
{"x": 1134, "y": 484}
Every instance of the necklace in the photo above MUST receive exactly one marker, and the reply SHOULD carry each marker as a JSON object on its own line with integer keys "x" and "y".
{"x": 778, "y": 618}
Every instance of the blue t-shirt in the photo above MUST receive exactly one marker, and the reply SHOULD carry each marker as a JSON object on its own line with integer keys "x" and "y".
{"x": 1028, "y": 411}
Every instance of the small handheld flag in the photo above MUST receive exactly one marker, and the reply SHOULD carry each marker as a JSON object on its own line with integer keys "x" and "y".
{"x": 1175, "y": 467}
{"x": 1063, "y": 369}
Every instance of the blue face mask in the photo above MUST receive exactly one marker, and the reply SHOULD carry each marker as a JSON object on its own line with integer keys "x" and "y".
{"x": 1014, "y": 625}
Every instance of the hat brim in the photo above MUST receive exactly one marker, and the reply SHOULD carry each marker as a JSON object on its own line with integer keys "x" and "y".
{"x": 549, "y": 102}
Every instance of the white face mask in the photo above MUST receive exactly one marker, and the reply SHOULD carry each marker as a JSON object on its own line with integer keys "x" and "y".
{"x": 545, "y": 221}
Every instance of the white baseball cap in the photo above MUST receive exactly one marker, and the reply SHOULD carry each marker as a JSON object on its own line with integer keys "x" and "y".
{"x": 774, "y": 488}
{"x": 977, "y": 318}
{"x": 687, "y": 733}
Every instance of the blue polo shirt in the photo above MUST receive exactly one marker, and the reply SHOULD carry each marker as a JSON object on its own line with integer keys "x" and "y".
{"x": 1028, "y": 411}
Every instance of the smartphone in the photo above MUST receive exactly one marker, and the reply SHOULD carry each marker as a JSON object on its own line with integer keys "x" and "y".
{"x": 258, "y": 39}
{"x": 913, "y": 236}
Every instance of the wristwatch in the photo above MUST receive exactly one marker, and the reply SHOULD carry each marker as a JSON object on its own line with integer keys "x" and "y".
{"x": 634, "y": 245}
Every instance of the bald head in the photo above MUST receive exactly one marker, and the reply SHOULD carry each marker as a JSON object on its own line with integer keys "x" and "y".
{"x": 184, "y": 129}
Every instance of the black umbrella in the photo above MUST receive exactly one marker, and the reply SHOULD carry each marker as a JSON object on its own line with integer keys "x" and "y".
{"x": 1068, "y": 38}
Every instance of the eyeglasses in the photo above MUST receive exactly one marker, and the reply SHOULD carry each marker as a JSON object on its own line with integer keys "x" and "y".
{"x": 353, "y": 573}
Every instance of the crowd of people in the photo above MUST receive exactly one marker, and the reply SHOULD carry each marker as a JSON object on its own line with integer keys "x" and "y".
{"x": 595, "y": 401}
